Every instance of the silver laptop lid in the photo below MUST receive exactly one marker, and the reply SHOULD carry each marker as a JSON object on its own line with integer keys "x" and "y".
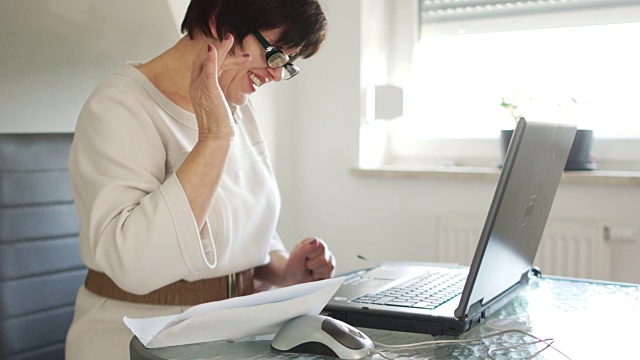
{"x": 518, "y": 213}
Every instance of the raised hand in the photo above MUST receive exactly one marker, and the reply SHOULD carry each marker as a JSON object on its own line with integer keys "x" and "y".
{"x": 209, "y": 104}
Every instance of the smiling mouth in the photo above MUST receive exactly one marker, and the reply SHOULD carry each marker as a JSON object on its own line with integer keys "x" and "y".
{"x": 256, "y": 80}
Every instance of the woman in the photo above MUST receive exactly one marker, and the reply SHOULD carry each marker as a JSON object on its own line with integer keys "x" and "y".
{"x": 176, "y": 199}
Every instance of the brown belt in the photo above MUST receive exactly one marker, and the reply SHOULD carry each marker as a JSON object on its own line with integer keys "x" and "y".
{"x": 181, "y": 292}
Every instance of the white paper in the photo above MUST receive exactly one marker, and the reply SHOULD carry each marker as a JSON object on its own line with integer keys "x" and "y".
{"x": 251, "y": 315}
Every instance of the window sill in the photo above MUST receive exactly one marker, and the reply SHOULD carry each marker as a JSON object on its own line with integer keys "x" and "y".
{"x": 594, "y": 177}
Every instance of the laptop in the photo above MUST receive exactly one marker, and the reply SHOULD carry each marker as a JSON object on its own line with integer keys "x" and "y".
{"x": 440, "y": 299}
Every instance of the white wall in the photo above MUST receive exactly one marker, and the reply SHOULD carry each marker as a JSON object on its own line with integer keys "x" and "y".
{"x": 316, "y": 145}
{"x": 312, "y": 124}
{"x": 54, "y": 52}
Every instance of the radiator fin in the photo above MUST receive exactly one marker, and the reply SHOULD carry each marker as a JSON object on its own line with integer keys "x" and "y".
{"x": 569, "y": 247}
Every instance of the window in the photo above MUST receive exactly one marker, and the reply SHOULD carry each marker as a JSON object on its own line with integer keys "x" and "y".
{"x": 477, "y": 65}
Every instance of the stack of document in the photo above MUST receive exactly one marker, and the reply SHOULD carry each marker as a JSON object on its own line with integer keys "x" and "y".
{"x": 257, "y": 314}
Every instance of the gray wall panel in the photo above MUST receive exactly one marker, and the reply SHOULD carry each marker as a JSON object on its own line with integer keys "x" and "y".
{"x": 40, "y": 266}
{"x": 30, "y": 295}
{"x": 32, "y": 222}
{"x": 34, "y": 151}
{"x": 34, "y": 187}
{"x": 24, "y": 333}
{"x": 47, "y": 353}
{"x": 36, "y": 257}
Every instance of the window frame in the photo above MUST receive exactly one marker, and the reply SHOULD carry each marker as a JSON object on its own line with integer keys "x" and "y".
{"x": 379, "y": 137}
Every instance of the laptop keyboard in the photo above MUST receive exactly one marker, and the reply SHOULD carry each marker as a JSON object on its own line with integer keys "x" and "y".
{"x": 427, "y": 291}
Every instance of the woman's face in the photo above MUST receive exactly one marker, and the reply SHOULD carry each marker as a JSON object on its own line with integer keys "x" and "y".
{"x": 240, "y": 82}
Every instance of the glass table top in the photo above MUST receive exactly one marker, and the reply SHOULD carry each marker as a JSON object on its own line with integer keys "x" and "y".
{"x": 585, "y": 319}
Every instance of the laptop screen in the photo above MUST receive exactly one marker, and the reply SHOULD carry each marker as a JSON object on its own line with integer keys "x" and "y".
{"x": 518, "y": 213}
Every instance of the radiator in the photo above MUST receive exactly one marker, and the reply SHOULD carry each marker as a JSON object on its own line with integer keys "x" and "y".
{"x": 569, "y": 247}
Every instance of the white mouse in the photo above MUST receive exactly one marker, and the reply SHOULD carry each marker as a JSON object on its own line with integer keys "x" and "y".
{"x": 322, "y": 335}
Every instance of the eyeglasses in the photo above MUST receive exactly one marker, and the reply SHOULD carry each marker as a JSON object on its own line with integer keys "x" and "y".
{"x": 276, "y": 58}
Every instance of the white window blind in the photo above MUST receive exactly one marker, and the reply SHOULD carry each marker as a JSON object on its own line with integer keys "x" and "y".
{"x": 448, "y": 10}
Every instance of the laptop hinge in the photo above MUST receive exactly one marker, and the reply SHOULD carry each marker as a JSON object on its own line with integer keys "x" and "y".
{"x": 536, "y": 272}
{"x": 475, "y": 308}
{"x": 533, "y": 272}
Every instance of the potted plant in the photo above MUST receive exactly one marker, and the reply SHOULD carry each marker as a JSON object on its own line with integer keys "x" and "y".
{"x": 580, "y": 157}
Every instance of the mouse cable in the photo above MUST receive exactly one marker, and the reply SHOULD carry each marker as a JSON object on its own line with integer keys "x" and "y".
{"x": 378, "y": 352}
{"x": 547, "y": 342}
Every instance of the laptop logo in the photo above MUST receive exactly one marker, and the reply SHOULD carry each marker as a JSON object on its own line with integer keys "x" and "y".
{"x": 529, "y": 210}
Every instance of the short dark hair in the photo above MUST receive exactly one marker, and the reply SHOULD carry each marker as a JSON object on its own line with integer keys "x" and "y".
{"x": 303, "y": 22}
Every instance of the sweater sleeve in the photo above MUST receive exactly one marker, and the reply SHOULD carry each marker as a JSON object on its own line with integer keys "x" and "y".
{"x": 276, "y": 243}
{"x": 136, "y": 222}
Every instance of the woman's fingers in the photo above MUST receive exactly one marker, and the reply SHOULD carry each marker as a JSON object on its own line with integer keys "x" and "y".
{"x": 230, "y": 62}
{"x": 225, "y": 45}
{"x": 319, "y": 260}
{"x": 210, "y": 68}
{"x": 196, "y": 67}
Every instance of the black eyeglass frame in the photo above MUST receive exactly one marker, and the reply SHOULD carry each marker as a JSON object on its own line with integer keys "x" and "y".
{"x": 276, "y": 58}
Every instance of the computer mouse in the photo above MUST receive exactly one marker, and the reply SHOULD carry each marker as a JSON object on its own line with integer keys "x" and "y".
{"x": 322, "y": 335}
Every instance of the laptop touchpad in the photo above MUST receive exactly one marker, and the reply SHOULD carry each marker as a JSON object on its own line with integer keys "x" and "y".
{"x": 361, "y": 286}
{"x": 391, "y": 272}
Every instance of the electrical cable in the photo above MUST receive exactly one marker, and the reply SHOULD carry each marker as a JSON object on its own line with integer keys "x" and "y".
{"x": 378, "y": 352}
{"x": 547, "y": 342}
